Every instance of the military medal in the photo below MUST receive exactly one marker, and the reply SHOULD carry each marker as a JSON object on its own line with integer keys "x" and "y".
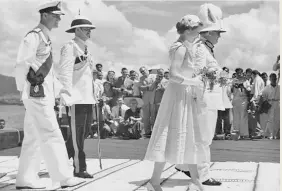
{"x": 36, "y": 89}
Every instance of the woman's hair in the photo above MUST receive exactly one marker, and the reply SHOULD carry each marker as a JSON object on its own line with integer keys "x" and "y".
{"x": 182, "y": 27}
{"x": 106, "y": 82}
{"x": 255, "y": 72}
{"x": 249, "y": 70}
{"x": 239, "y": 70}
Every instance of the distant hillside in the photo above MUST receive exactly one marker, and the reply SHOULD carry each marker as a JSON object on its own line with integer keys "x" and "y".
{"x": 7, "y": 85}
{"x": 8, "y": 91}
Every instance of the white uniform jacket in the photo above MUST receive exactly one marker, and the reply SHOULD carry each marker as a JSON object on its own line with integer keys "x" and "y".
{"x": 204, "y": 58}
{"x": 76, "y": 78}
{"x": 33, "y": 52}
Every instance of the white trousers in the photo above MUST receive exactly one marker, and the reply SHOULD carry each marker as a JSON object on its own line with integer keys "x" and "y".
{"x": 42, "y": 137}
{"x": 209, "y": 121}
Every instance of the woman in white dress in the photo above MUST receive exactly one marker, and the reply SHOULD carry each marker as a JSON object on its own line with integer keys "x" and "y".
{"x": 177, "y": 137}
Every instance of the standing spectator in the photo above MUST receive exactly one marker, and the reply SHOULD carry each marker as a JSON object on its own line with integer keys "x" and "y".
{"x": 234, "y": 75}
{"x": 99, "y": 68}
{"x": 240, "y": 104}
{"x": 146, "y": 80}
{"x": 2, "y": 123}
{"x": 119, "y": 85}
{"x": 276, "y": 67}
{"x": 166, "y": 75}
{"x": 158, "y": 87}
{"x": 256, "y": 91}
{"x": 111, "y": 94}
{"x": 101, "y": 77}
{"x": 249, "y": 80}
{"x": 264, "y": 77}
{"x": 135, "y": 86}
{"x": 271, "y": 96}
{"x": 111, "y": 77}
{"x": 224, "y": 116}
{"x": 98, "y": 86}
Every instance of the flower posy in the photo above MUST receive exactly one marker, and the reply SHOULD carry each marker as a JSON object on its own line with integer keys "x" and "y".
{"x": 208, "y": 76}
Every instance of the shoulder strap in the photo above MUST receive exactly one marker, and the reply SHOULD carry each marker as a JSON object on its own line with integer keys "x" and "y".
{"x": 40, "y": 33}
{"x": 36, "y": 30}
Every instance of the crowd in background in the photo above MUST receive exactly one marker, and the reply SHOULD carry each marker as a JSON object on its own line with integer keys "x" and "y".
{"x": 129, "y": 103}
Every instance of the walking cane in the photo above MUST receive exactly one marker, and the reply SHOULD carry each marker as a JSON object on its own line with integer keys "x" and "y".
{"x": 96, "y": 108}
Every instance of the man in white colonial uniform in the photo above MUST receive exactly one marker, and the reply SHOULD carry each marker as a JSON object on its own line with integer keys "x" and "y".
{"x": 211, "y": 16}
{"x": 76, "y": 59}
{"x": 34, "y": 78}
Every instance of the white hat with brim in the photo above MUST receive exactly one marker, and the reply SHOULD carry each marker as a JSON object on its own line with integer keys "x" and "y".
{"x": 54, "y": 7}
{"x": 211, "y": 17}
{"x": 127, "y": 101}
{"x": 80, "y": 22}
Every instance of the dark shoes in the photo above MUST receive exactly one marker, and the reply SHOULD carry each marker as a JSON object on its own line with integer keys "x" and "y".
{"x": 83, "y": 175}
{"x": 209, "y": 182}
{"x": 187, "y": 173}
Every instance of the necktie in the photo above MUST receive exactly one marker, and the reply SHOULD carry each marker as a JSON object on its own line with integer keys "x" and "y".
{"x": 85, "y": 50}
{"x": 119, "y": 112}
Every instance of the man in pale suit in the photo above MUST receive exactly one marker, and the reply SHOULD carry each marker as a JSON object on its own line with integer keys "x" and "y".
{"x": 146, "y": 80}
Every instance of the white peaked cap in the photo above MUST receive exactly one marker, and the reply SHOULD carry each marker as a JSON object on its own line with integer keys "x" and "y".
{"x": 51, "y": 6}
{"x": 211, "y": 17}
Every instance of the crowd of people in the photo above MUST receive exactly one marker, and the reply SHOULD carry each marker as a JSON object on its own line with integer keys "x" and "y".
{"x": 129, "y": 104}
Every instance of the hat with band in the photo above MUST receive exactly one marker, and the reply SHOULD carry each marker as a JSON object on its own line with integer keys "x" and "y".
{"x": 80, "y": 22}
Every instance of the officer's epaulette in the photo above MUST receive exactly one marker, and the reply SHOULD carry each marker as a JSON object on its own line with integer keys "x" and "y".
{"x": 35, "y": 30}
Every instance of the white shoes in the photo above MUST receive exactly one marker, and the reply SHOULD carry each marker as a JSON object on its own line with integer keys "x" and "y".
{"x": 71, "y": 182}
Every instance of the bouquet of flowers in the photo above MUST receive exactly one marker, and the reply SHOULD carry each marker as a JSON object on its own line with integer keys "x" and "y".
{"x": 208, "y": 76}
{"x": 223, "y": 79}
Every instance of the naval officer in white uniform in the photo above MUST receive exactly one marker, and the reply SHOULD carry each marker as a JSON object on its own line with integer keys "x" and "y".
{"x": 34, "y": 78}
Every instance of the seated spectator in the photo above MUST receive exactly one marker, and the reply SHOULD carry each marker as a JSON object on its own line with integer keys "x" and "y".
{"x": 118, "y": 113}
{"x": 111, "y": 94}
{"x": 132, "y": 127}
{"x": 2, "y": 123}
{"x": 105, "y": 120}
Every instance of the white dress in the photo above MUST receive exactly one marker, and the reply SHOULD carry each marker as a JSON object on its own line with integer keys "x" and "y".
{"x": 177, "y": 137}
